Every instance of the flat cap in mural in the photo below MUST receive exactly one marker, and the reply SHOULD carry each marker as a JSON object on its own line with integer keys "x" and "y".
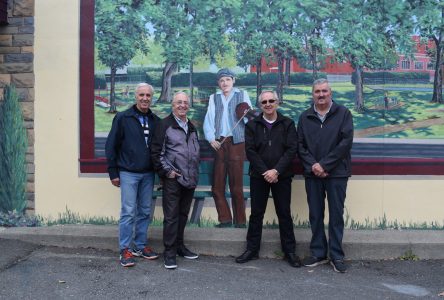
{"x": 225, "y": 73}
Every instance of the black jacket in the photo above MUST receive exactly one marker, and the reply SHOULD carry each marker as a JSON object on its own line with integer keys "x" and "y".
{"x": 173, "y": 149}
{"x": 328, "y": 143}
{"x": 125, "y": 146}
{"x": 273, "y": 148}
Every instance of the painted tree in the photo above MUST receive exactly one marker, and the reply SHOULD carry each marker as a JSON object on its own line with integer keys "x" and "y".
{"x": 428, "y": 18}
{"x": 284, "y": 40}
{"x": 187, "y": 29}
{"x": 312, "y": 22}
{"x": 252, "y": 35}
{"x": 120, "y": 32}
{"x": 363, "y": 34}
{"x": 13, "y": 146}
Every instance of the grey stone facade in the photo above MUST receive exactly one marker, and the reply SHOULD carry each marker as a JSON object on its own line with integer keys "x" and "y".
{"x": 17, "y": 68}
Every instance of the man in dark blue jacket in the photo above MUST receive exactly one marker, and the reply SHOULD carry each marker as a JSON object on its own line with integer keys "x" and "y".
{"x": 325, "y": 138}
{"x": 271, "y": 145}
{"x": 128, "y": 152}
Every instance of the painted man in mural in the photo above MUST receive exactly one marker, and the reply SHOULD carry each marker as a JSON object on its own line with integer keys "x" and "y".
{"x": 175, "y": 152}
{"x": 325, "y": 138}
{"x": 226, "y": 136}
{"x": 271, "y": 146}
{"x": 128, "y": 152}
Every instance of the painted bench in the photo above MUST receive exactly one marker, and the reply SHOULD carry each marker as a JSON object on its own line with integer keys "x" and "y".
{"x": 203, "y": 189}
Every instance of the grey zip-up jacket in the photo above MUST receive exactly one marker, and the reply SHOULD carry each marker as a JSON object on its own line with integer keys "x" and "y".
{"x": 173, "y": 149}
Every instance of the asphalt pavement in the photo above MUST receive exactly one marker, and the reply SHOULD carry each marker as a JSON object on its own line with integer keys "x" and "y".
{"x": 33, "y": 271}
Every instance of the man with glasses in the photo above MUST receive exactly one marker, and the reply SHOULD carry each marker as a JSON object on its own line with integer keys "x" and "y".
{"x": 226, "y": 136}
{"x": 176, "y": 160}
{"x": 128, "y": 152}
{"x": 325, "y": 138}
{"x": 270, "y": 144}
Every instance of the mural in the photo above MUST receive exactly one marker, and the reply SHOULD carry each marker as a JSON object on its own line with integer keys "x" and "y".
{"x": 382, "y": 59}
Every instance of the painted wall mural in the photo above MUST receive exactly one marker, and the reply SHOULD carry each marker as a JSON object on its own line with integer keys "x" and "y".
{"x": 383, "y": 62}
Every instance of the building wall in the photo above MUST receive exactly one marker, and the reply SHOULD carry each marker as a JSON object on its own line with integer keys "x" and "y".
{"x": 59, "y": 185}
{"x": 17, "y": 68}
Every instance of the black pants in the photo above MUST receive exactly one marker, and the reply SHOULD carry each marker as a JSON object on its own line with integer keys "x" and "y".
{"x": 176, "y": 205}
{"x": 335, "y": 190}
{"x": 281, "y": 191}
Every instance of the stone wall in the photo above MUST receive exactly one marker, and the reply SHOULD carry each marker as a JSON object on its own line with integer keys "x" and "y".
{"x": 17, "y": 68}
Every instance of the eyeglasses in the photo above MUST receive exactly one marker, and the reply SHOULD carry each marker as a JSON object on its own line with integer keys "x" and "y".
{"x": 271, "y": 101}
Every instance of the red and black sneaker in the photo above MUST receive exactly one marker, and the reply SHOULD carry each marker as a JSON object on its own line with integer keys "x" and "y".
{"x": 146, "y": 252}
{"x": 126, "y": 258}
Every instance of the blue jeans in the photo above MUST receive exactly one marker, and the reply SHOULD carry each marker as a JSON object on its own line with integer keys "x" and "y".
{"x": 136, "y": 196}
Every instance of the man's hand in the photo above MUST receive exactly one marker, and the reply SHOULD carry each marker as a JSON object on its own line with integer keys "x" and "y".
{"x": 318, "y": 170}
{"x": 173, "y": 174}
{"x": 215, "y": 144}
{"x": 271, "y": 176}
{"x": 116, "y": 182}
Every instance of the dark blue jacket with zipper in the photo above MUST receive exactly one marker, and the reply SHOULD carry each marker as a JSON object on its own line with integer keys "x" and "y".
{"x": 125, "y": 148}
{"x": 328, "y": 143}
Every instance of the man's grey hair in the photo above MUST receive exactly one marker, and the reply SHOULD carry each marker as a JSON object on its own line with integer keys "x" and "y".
{"x": 275, "y": 96}
{"x": 318, "y": 82}
{"x": 179, "y": 93}
{"x": 144, "y": 84}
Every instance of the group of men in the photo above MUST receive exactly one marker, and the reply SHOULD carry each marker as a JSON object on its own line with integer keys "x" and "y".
{"x": 140, "y": 144}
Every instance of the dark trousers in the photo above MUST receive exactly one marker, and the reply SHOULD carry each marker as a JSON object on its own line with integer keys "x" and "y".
{"x": 176, "y": 205}
{"x": 229, "y": 159}
{"x": 335, "y": 190}
{"x": 281, "y": 191}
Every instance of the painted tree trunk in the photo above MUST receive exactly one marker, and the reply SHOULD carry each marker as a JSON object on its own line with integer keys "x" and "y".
{"x": 359, "y": 99}
{"x": 258, "y": 79}
{"x": 287, "y": 72}
{"x": 168, "y": 71}
{"x": 437, "y": 80}
{"x": 314, "y": 63}
{"x": 280, "y": 81}
{"x": 191, "y": 84}
{"x": 112, "y": 92}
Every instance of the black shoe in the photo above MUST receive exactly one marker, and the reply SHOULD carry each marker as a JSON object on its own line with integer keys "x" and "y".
{"x": 170, "y": 262}
{"x": 313, "y": 261}
{"x": 247, "y": 256}
{"x": 185, "y": 252}
{"x": 339, "y": 266}
{"x": 224, "y": 225}
{"x": 240, "y": 225}
{"x": 293, "y": 260}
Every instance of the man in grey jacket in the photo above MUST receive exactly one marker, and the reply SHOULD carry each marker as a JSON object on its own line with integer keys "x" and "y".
{"x": 175, "y": 153}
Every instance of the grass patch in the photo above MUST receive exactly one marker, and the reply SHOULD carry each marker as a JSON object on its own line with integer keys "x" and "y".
{"x": 413, "y": 106}
{"x": 73, "y": 218}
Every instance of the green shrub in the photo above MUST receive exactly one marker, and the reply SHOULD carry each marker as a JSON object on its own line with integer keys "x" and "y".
{"x": 393, "y": 77}
{"x": 142, "y": 70}
{"x": 13, "y": 145}
{"x": 99, "y": 82}
{"x": 242, "y": 79}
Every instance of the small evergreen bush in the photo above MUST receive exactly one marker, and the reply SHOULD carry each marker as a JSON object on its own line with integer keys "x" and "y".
{"x": 13, "y": 146}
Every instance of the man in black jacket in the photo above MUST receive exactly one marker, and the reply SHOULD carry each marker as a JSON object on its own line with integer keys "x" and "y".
{"x": 325, "y": 138}
{"x": 176, "y": 159}
{"x": 128, "y": 152}
{"x": 270, "y": 144}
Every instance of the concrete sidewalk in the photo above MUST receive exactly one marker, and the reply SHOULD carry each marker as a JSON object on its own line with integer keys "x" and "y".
{"x": 358, "y": 244}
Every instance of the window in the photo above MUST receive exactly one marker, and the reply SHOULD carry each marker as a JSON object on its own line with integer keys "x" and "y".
{"x": 419, "y": 65}
{"x": 430, "y": 66}
{"x": 405, "y": 64}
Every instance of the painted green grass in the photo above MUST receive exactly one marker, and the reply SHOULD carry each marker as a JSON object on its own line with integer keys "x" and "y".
{"x": 73, "y": 218}
{"x": 413, "y": 106}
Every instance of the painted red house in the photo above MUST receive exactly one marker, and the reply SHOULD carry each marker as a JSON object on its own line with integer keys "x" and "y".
{"x": 420, "y": 63}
